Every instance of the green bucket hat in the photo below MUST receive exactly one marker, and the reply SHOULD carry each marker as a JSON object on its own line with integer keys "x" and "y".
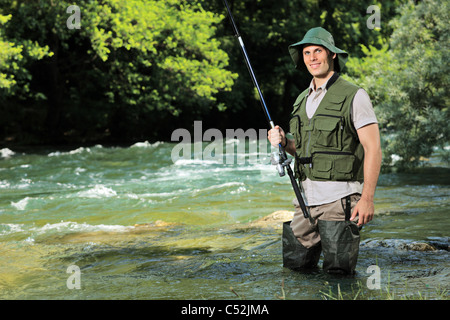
{"x": 317, "y": 36}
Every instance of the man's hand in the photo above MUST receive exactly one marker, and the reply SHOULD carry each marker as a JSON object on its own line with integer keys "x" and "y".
{"x": 277, "y": 136}
{"x": 365, "y": 210}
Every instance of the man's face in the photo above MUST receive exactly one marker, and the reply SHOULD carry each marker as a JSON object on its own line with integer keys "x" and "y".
{"x": 318, "y": 60}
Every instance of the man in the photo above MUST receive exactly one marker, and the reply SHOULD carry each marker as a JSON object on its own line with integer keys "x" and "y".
{"x": 336, "y": 145}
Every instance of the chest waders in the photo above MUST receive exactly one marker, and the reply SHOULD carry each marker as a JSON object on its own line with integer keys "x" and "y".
{"x": 295, "y": 255}
{"x": 327, "y": 149}
{"x": 340, "y": 243}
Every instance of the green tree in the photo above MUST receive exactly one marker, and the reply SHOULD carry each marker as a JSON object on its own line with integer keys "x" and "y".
{"x": 138, "y": 69}
{"x": 13, "y": 56}
{"x": 131, "y": 69}
{"x": 15, "y": 78}
{"x": 407, "y": 79}
{"x": 268, "y": 27}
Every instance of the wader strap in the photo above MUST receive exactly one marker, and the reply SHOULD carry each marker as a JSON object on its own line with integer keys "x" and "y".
{"x": 348, "y": 208}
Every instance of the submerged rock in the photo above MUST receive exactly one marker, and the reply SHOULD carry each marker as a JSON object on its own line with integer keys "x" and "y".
{"x": 274, "y": 220}
{"x": 158, "y": 224}
{"x": 400, "y": 244}
{"x": 441, "y": 244}
{"x": 419, "y": 246}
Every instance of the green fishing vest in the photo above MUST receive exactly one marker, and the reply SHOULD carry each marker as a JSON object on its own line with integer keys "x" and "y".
{"x": 327, "y": 145}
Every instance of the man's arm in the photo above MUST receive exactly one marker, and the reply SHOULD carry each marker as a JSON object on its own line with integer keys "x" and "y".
{"x": 369, "y": 137}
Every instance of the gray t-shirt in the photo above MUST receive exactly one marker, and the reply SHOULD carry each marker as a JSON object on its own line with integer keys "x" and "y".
{"x": 322, "y": 192}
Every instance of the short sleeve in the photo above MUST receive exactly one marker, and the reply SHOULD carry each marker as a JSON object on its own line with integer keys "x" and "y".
{"x": 362, "y": 110}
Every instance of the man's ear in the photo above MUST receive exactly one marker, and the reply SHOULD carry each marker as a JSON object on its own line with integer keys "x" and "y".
{"x": 329, "y": 53}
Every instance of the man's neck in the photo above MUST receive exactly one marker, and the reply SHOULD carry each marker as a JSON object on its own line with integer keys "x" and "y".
{"x": 318, "y": 82}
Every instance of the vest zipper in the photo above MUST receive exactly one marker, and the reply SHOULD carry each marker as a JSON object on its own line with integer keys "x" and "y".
{"x": 309, "y": 141}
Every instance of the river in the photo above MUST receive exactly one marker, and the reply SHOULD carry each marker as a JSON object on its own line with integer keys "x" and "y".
{"x": 130, "y": 222}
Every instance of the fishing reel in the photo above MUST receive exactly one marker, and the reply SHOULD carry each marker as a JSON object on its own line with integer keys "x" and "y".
{"x": 279, "y": 159}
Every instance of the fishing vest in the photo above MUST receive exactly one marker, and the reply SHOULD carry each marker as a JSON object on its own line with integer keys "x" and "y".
{"x": 327, "y": 145}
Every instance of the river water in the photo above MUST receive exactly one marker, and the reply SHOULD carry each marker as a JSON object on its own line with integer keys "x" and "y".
{"x": 131, "y": 222}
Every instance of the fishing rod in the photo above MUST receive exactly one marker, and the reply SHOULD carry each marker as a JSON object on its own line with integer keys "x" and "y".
{"x": 280, "y": 160}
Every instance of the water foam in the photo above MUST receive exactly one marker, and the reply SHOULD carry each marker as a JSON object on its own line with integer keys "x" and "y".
{"x": 22, "y": 204}
{"x": 241, "y": 186}
{"x": 79, "y": 227}
{"x": 9, "y": 228}
{"x": 4, "y": 184}
{"x": 63, "y": 226}
{"x": 76, "y": 151}
{"x": 99, "y": 191}
{"x": 184, "y": 162}
{"x": 146, "y": 144}
{"x": 6, "y": 153}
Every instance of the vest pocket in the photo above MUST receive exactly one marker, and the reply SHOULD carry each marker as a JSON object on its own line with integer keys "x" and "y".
{"x": 343, "y": 165}
{"x": 328, "y": 132}
{"x": 321, "y": 167}
{"x": 294, "y": 129}
{"x": 335, "y": 103}
{"x": 332, "y": 166}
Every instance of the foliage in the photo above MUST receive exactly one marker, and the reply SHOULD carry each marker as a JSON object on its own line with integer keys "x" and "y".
{"x": 163, "y": 63}
{"x": 132, "y": 64}
{"x": 359, "y": 291}
{"x": 408, "y": 82}
{"x": 14, "y": 78}
{"x": 139, "y": 69}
